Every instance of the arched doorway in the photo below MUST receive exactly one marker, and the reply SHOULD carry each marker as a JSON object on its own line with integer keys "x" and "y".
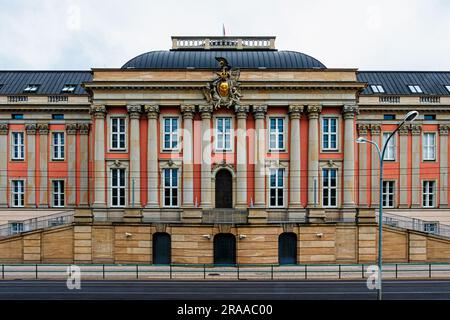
{"x": 287, "y": 248}
{"x": 162, "y": 248}
{"x": 224, "y": 249}
{"x": 224, "y": 189}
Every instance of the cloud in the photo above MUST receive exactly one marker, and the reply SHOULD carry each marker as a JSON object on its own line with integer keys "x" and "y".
{"x": 370, "y": 35}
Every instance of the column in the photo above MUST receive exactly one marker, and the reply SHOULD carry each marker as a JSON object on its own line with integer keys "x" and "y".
{"x": 313, "y": 155}
{"x": 403, "y": 184}
{"x": 241, "y": 156}
{"x": 152, "y": 155}
{"x": 83, "y": 130}
{"x": 294, "y": 151}
{"x": 188, "y": 153}
{"x": 443, "y": 163}
{"x": 43, "y": 164}
{"x": 3, "y": 164}
{"x": 375, "y": 130}
{"x": 99, "y": 113}
{"x": 416, "y": 188}
{"x": 134, "y": 112}
{"x": 30, "y": 191}
{"x": 260, "y": 155}
{"x": 349, "y": 112}
{"x": 71, "y": 189}
{"x": 206, "y": 113}
{"x": 363, "y": 128}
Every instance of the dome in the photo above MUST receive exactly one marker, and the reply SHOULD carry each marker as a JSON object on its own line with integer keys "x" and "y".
{"x": 205, "y": 59}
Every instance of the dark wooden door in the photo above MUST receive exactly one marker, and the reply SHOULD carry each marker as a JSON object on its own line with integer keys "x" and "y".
{"x": 287, "y": 248}
{"x": 224, "y": 249}
{"x": 162, "y": 248}
{"x": 224, "y": 189}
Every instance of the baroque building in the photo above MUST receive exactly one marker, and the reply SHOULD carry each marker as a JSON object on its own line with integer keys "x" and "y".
{"x": 220, "y": 132}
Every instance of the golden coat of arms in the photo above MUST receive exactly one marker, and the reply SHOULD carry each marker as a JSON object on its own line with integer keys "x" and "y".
{"x": 223, "y": 91}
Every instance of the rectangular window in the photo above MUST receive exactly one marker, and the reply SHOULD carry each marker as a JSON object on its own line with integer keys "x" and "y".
{"x": 170, "y": 177}
{"x": 17, "y": 193}
{"x": 429, "y": 146}
{"x": 276, "y": 134}
{"x": 117, "y": 187}
{"x": 448, "y": 88}
{"x": 388, "y": 194}
{"x": 377, "y": 88}
{"x": 390, "y": 148}
{"x": 68, "y": 88}
{"x": 118, "y": 134}
{"x": 329, "y": 133}
{"x": 31, "y": 88}
{"x": 58, "y": 193}
{"x": 329, "y": 187}
{"x": 276, "y": 187}
{"x": 58, "y": 145}
{"x": 170, "y": 133}
{"x": 389, "y": 117}
{"x": 17, "y": 116}
{"x": 429, "y": 117}
{"x": 15, "y": 227}
{"x": 430, "y": 227}
{"x": 223, "y": 134}
{"x": 415, "y": 89}
{"x": 428, "y": 194}
{"x": 58, "y": 116}
{"x": 18, "y": 146}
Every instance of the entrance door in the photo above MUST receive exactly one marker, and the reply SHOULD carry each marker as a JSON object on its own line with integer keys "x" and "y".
{"x": 224, "y": 249}
{"x": 224, "y": 189}
{"x": 161, "y": 248}
{"x": 287, "y": 248}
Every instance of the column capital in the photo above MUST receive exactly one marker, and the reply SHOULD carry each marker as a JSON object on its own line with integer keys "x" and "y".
{"x": 314, "y": 110}
{"x": 295, "y": 111}
{"x": 3, "y": 128}
{"x": 363, "y": 129}
{"x": 375, "y": 129}
{"x": 83, "y": 128}
{"x": 404, "y": 130}
{"x": 134, "y": 111}
{"x": 416, "y": 129}
{"x": 259, "y": 111}
{"x": 43, "y": 128}
{"x": 241, "y": 111}
{"x": 187, "y": 111}
{"x": 152, "y": 111}
{"x": 98, "y": 111}
{"x": 72, "y": 128}
{"x": 443, "y": 129}
{"x": 206, "y": 111}
{"x": 350, "y": 111}
{"x": 30, "y": 128}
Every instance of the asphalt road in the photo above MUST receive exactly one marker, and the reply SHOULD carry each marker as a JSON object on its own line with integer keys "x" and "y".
{"x": 212, "y": 290}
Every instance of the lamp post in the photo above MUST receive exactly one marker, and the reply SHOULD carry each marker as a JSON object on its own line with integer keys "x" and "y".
{"x": 410, "y": 117}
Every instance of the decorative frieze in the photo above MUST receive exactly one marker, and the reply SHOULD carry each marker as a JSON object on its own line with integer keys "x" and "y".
{"x": 72, "y": 128}
{"x": 152, "y": 111}
{"x": 350, "y": 111}
{"x": 363, "y": 128}
{"x": 187, "y": 111}
{"x": 30, "y": 128}
{"x": 416, "y": 129}
{"x": 43, "y": 128}
{"x": 241, "y": 111}
{"x": 98, "y": 111}
{"x": 259, "y": 111}
{"x": 134, "y": 111}
{"x": 313, "y": 111}
{"x": 3, "y": 128}
{"x": 443, "y": 129}
{"x": 375, "y": 129}
{"x": 295, "y": 111}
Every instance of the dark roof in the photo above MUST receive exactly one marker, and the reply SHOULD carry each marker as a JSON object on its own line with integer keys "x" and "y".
{"x": 397, "y": 82}
{"x": 205, "y": 59}
{"x": 50, "y": 82}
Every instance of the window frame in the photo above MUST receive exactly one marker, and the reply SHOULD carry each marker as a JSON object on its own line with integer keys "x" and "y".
{"x": 277, "y": 188}
{"x": 112, "y": 133}
{"x": 387, "y": 196}
{"x": 20, "y": 194}
{"x": 426, "y": 147}
{"x": 277, "y": 133}
{"x": 376, "y": 88}
{"x": 119, "y": 187}
{"x": 330, "y": 188}
{"x": 329, "y": 134}
{"x": 21, "y": 147}
{"x": 170, "y": 187}
{"x": 448, "y": 88}
{"x": 426, "y": 195}
{"x": 415, "y": 88}
{"x": 224, "y": 134}
{"x": 392, "y": 145}
{"x": 61, "y": 195}
{"x": 17, "y": 223}
{"x": 173, "y": 136}
{"x": 59, "y": 147}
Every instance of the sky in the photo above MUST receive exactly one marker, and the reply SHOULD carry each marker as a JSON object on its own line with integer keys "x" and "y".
{"x": 363, "y": 34}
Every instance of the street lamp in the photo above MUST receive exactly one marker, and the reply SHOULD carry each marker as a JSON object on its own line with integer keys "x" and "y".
{"x": 410, "y": 117}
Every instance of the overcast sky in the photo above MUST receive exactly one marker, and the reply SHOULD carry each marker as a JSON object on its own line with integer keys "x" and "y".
{"x": 369, "y": 35}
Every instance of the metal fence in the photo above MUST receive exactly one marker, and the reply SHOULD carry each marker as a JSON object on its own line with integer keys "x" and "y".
{"x": 215, "y": 272}
{"x": 404, "y": 222}
{"x": 57, "y": 219}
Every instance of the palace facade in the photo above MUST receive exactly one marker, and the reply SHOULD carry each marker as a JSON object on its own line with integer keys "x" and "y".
{"x": 222, "y": 131}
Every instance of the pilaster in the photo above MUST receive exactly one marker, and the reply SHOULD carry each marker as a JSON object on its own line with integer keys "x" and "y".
{"x": 134, "y": 112}
{"x": 3, "y": 164}
{"x": 241, "y": 156}
{"x": 313, "y": 156}
{"x": 99, "y": 113}
{"x": 43, "y": 164}
{"x": 206, "y": 114}
{"x": 443, "y": 163}
{"x": 260, "y": 155}
{"x": 152, "y": 155}
{"x": 188, "y": 166}
{"x": 416, "y": 188}
{"x": 295, "y": 157}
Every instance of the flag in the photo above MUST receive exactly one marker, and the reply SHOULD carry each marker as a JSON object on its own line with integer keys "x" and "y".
{"x": 223, "y": 29}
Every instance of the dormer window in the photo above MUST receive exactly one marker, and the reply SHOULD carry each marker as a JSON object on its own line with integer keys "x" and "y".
{"x": 31, "y": 88}
{"x": 377, "y": 88}
{"x": 68, "y": 88}
{"x": 446, "y": 87}
{"x": 415, "y": 89}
